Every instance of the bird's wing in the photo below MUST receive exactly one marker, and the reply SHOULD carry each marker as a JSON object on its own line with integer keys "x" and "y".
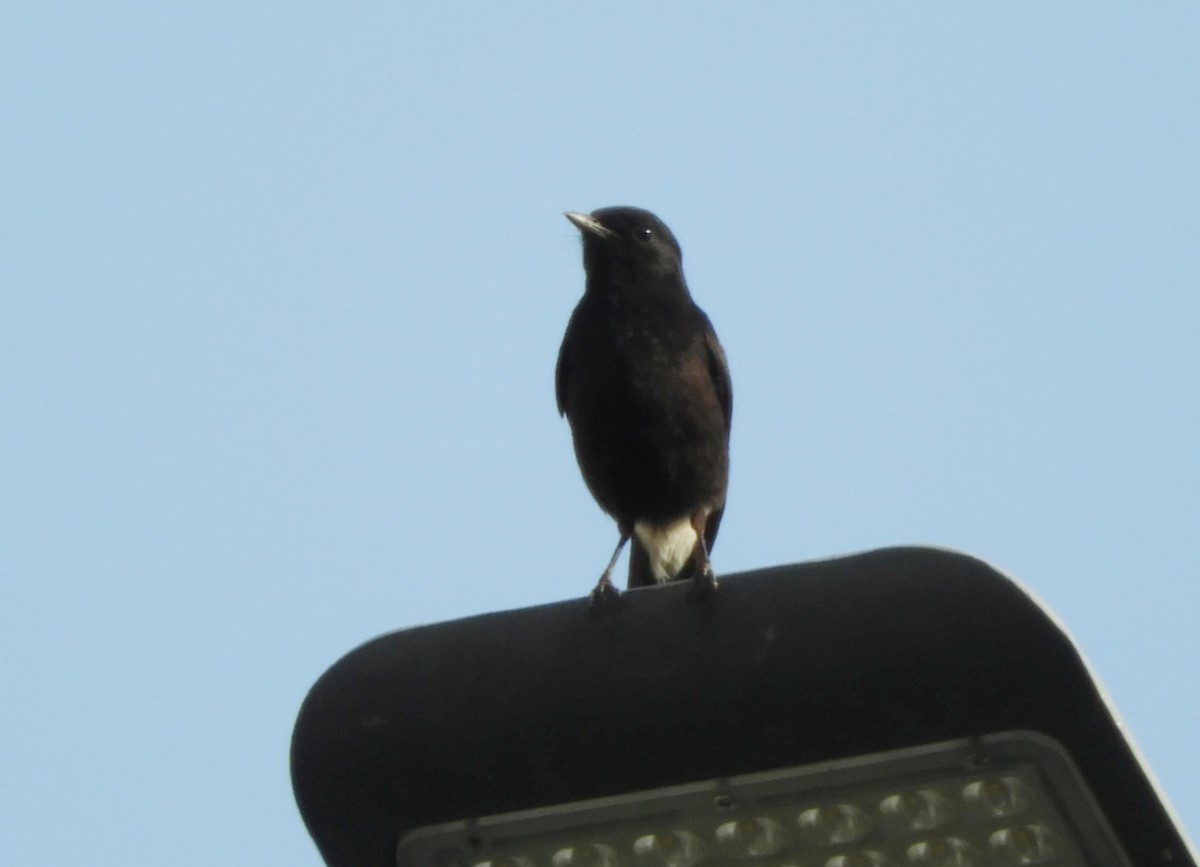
{"x": 562, "y": 370}
{"x": 718, "y": 369}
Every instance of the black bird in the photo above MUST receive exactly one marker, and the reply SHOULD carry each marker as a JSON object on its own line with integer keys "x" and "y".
{"x": 644, "y": 383}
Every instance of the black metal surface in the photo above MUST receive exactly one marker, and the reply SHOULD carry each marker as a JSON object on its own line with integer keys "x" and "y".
{"x": 782, "y": 666}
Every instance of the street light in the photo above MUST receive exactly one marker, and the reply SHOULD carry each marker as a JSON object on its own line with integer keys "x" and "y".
{"x": 901, "y": 707}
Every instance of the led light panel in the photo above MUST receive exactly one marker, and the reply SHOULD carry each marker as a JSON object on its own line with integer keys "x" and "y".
{"x": 998, "y": 801}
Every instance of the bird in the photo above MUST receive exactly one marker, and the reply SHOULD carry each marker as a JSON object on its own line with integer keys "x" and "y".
{"x": 644, "y": 384}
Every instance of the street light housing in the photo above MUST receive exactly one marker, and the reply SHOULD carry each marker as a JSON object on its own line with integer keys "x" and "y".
{"x": 858, "y": 682}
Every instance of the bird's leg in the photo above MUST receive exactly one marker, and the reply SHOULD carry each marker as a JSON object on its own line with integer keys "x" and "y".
{"x": 704, "y": 581}
{"x": 604, "y": 590}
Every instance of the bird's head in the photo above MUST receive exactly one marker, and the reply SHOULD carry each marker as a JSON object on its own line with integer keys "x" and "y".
{"x": 626, "y": 244}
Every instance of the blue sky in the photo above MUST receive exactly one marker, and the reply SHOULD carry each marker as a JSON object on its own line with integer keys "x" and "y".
{"x": 283, "y": 287}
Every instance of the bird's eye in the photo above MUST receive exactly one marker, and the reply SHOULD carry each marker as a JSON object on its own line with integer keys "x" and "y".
{"x": 644, "y": 233}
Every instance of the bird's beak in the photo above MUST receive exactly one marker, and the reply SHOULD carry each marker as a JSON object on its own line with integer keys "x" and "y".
{"x": 588, "y": 223}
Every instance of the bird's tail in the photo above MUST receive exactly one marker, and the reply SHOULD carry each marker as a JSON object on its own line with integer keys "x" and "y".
{"x": 640, "y": 574}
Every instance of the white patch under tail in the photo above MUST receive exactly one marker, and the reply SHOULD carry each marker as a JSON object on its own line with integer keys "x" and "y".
{"x": 669, "y": 546}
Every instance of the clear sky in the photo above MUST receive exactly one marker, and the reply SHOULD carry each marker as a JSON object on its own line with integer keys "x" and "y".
{"x": 283, "y": 286}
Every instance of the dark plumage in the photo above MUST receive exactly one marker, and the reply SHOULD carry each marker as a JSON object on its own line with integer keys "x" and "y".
{"x": 644, "y": 383}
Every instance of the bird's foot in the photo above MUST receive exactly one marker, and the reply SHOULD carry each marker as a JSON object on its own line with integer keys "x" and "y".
{"x": 604, "y": 594}
{"x": 704, "y": 584}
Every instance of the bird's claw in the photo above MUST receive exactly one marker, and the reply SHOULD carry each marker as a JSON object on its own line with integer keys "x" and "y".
{"x": 704, "y": 584}
{"x": 604, "y": 594}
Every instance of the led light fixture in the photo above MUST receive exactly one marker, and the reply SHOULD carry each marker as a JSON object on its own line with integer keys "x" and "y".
{"x": 909, "y": 707}
{"x": 1010, "y": 799}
